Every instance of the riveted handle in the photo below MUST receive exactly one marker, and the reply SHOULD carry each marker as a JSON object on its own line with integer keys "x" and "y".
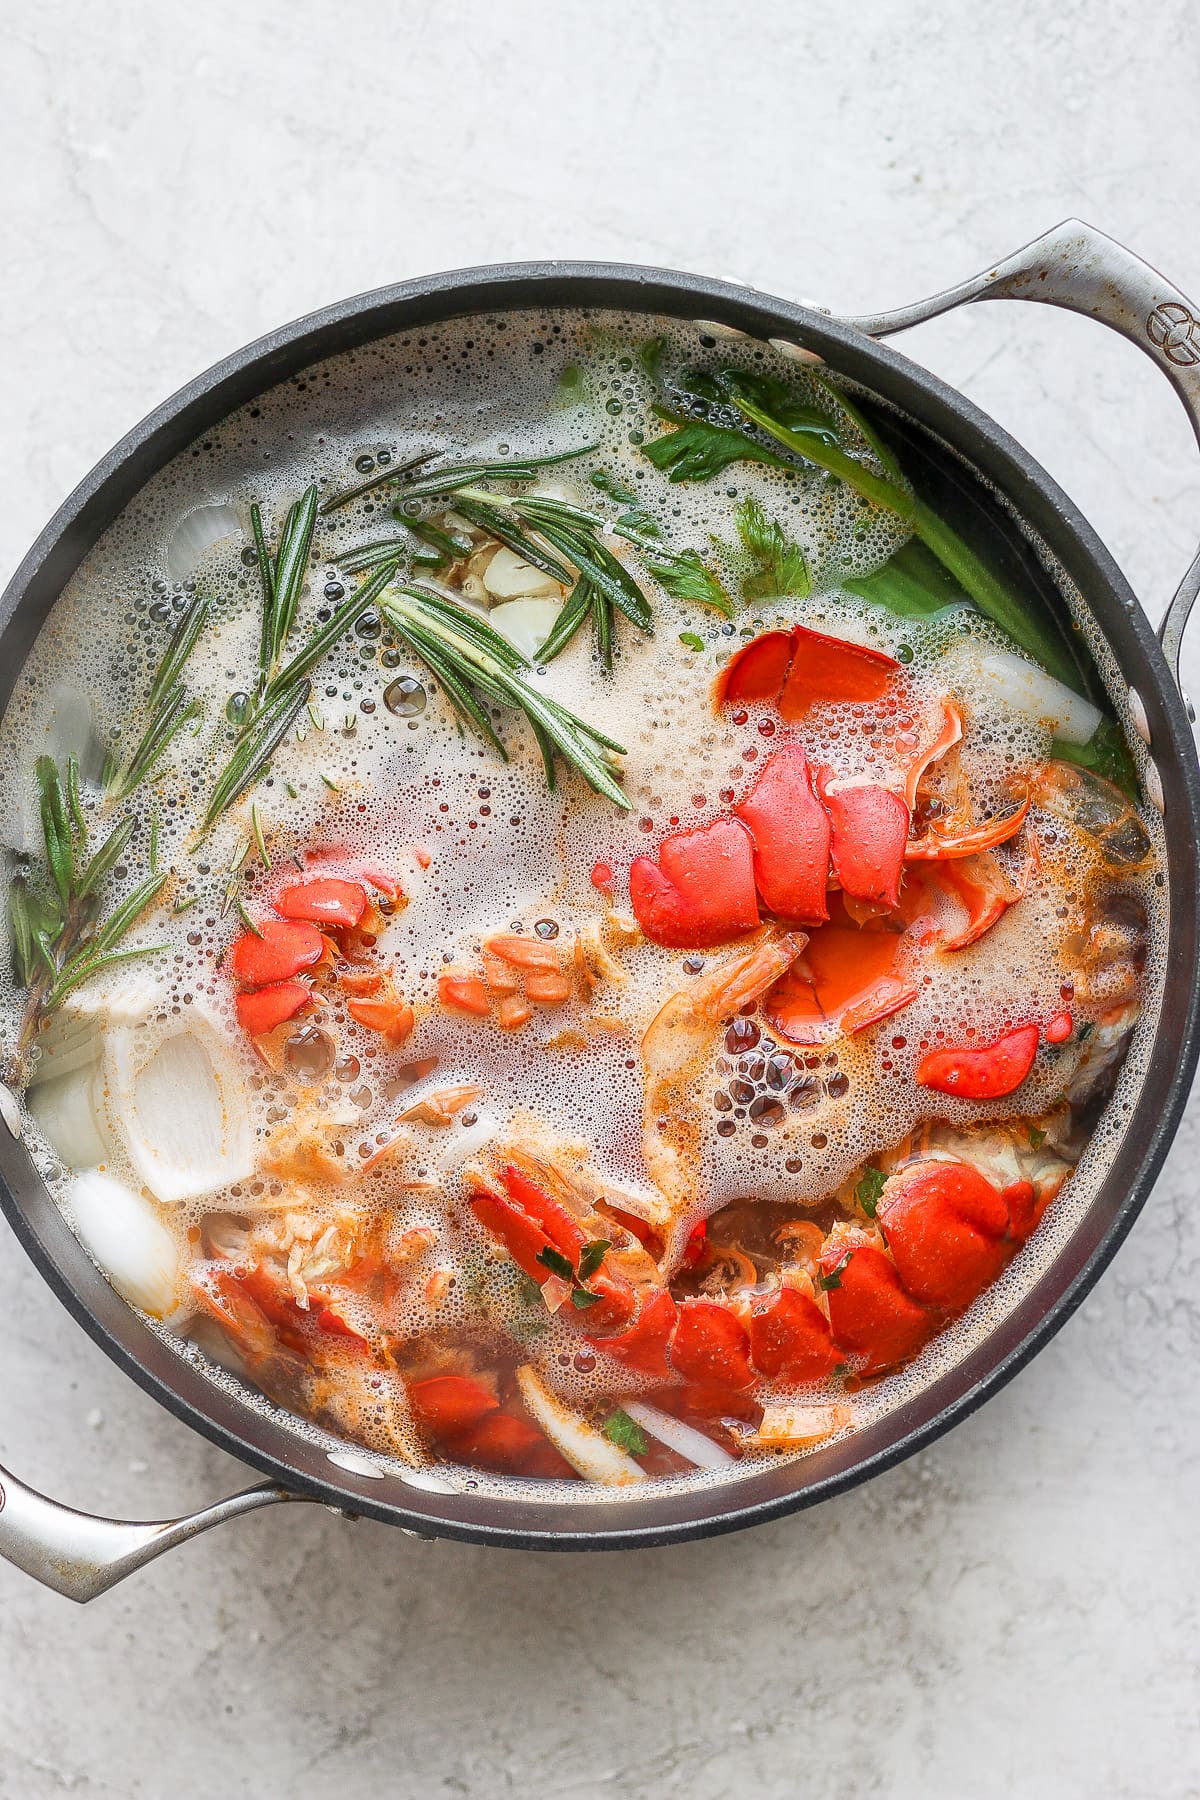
{"x": 1077, "y": 267}
{"x": 80, "y": 1555}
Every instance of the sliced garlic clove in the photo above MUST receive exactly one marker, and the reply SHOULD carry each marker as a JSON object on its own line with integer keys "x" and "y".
{"x": 175, "y": 1101}
{"x": 128, "y": 1239}
{"x": 586, "y": 1449}
{"x": 509, "y": 577}
{"x": 525, "y": 624}
{"x": 194, "y": 535}
{"x": 65, "y": 1113}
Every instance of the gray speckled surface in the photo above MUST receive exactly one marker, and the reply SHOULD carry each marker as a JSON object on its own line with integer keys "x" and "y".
{"x": 1015, "y": 1611}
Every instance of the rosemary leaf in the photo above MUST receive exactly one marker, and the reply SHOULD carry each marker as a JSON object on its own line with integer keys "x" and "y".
{"x": 266, "y": 574}
{"x": 179, "y": 647}
{"x": 260, "y": 841}
{"x": 577, "y": 607}
{"x": 387, "y": 550}
{"x": 322, "y": 641}
{"x": 113, "y": 929}
{"x": 453, "y": 476}
{"x": 252, "y": 755}
{"x": 490, "y": 517}
{"x": 56, "y": 829}
{"x": 74, "y": 800}
{"x": 394, "y": 472}
{"x": 105, "y": 859}
{"x": 21, "y": 928}
{"x": 173, "y": 713}
{"x": 72, "y": 977}
{"x": 452, "y": 544}
{"x": 291, "y": 565}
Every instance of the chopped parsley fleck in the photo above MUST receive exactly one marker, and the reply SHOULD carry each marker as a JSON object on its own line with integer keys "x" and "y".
{"x": 625, "y": 1433}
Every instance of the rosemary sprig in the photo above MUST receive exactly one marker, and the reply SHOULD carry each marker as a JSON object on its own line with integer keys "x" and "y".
{"x": 175, "y": 711}
{"x": 388, "y": 550}
{"x": 58, "y": 939}
{"x": 288, "y": 571}
{"x": 476, "y": 666}
{"x": 179, "y": 647}
{"x": 167, "y": 705}
{"x": 254, "y": 752}
{"x": 393, "y": 472}
{"x": 452, "y": 476}
{"x": 335, "y": 628}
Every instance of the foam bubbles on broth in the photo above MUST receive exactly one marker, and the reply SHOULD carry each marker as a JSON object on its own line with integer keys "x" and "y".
{"x": 369, "y": 782}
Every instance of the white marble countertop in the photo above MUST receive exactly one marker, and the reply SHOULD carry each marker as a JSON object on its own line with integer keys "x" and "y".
{"x": 1015, "y": 1611}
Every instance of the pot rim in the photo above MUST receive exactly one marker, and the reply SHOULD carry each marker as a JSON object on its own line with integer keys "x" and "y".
{"x": 1037, "y": 499}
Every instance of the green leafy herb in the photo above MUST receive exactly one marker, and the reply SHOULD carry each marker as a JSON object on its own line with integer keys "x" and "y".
{"x": 180, "y": 646}
{"x": 556, "y": 1262}
{"x": 833, "y": 1279}
{"x": 1086, "y": 1030}
{"x": 391, "y": 550}
{"x": 625, "y": 1433}
{"x": 691, "y": 640}
{"x": 478, "y": 669}
{"x": 685, "y": 576}
{"x": 633, "y": 512}
{"x": 650, "y": 355}
{"x": 580, "y": 1298}
{"x": 452, "y": 544}
{"x": 591, "y": 1256}
{"x": 697, "y": 450}
{"x": 870, "y": 1187}
{"x": 1037, "y": 1136}
{"x": 295, "y": 672}
{"x": 779, "y": 566}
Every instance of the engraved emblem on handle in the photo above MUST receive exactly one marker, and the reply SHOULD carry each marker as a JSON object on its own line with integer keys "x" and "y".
{"x": 1174, "y": 329}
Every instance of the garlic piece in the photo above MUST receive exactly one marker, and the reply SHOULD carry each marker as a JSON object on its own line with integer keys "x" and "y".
{"x": 509, "y": 577}
{"x": 525, "y": 624}
{"x": 128, "y": 1239}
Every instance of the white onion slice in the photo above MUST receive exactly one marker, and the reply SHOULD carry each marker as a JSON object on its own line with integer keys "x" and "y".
{"x": 526, "y": 624}
{"x": 685, "y": 1440}
{"x": 509, "y": 577}
{"x": 177, "y": 1105}
{"x": 128, "y": 1240}
{"x": 587, "y": 1450}
{"x": 1029, "y": 690}
{"x": 65, "y": 1112}
{"x": 195, "y": 534}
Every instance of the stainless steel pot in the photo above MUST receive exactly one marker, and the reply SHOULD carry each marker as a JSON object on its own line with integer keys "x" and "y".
{"x": 1075, "y": 267}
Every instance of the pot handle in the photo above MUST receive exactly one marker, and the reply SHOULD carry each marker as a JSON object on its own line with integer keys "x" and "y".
{"x": 80, "y": 1555}
{"x": 1079, "y": 268}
